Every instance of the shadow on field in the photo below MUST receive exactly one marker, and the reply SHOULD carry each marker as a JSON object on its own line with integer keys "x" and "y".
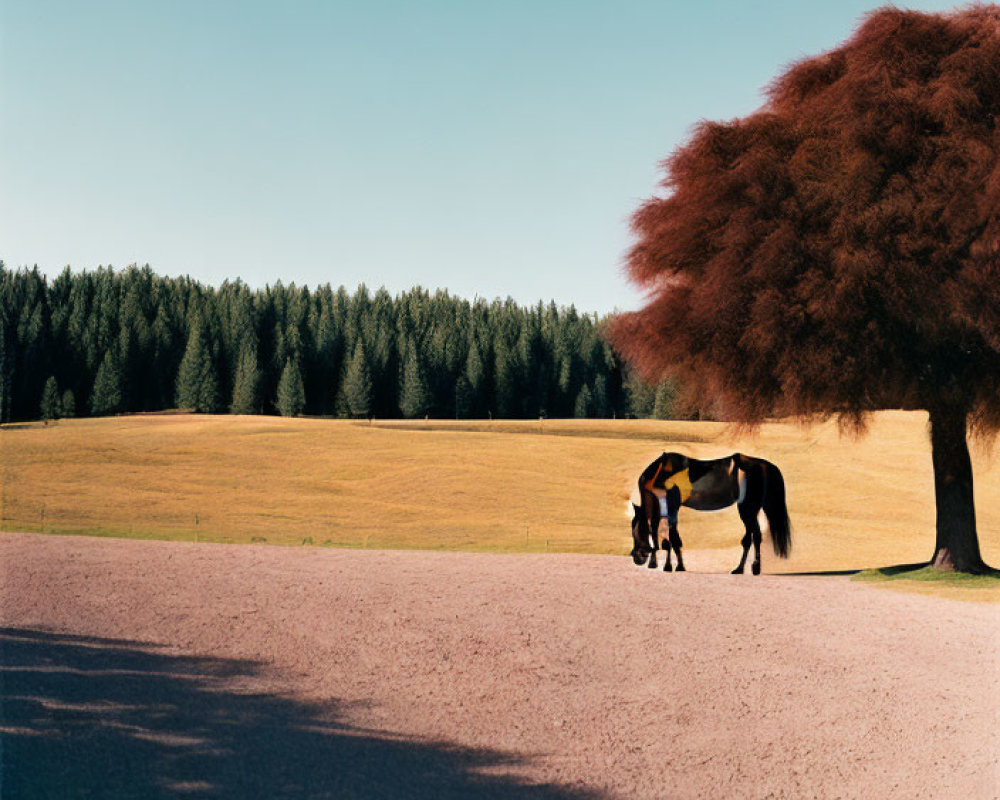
{"x": 819, "y": 573}
{"x": 891, "y": 571}
{"x": 901, "y": 569}
{"x": 88, "y": 717}
{"x": 918, "y": 570}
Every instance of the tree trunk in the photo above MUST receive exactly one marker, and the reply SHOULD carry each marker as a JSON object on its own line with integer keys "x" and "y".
{"x": 957, "y": 546}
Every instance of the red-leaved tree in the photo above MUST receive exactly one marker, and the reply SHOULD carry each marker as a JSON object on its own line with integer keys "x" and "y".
{"x": 838, "y": 251}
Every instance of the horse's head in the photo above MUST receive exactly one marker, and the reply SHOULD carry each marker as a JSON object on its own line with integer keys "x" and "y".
{"x": 640, "y": 536}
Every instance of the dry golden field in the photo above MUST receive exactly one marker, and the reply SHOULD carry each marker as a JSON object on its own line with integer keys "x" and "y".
{"x": 532, "y": 486}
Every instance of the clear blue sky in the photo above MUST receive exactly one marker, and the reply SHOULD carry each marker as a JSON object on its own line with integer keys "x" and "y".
{"x": 490, "y": 148}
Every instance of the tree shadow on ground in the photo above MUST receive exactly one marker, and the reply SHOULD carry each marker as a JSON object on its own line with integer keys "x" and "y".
{"x": 891, "y": 571}
{"x": 84, "y": 717}
{"x": 902, "y": 571}
{"x": 815, "y": 573}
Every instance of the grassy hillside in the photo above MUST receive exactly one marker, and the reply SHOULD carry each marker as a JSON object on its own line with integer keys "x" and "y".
{"x": 501, "y": 486}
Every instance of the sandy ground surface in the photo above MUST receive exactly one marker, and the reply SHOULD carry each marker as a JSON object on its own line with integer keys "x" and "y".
{"x": 156, "y": 669}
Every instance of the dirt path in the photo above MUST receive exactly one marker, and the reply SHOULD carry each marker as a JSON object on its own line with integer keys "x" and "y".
{"x": 154, "y": 669}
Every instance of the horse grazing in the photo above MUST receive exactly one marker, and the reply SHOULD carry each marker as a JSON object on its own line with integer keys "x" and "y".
{"x": 674, "y": 480}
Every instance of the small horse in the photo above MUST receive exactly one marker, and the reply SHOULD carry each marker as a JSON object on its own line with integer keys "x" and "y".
{"x": 674, "y": 480}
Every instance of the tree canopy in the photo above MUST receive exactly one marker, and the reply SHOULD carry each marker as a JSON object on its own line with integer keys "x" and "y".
{"x": 838, "y": 251}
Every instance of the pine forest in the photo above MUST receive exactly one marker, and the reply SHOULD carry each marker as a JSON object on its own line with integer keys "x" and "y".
{"x": 103, "y": 342}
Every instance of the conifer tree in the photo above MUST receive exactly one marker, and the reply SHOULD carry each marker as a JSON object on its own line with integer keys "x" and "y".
{"x": 505, "y": 369}
{"x": 291, "y": 392}
{"x": 358, "y": 384}
{"x": 566, "y": 377}
{"x": 67, "y": 406}
{"x": 640, "y": 396}
{"x": 600, "y": 396}
{"x": 474, "y": 367}
{"x": 246, "y": 384}
{"x": 6, "y": 344}
{"x": 413, "y": 396}
{"x": 106, "y": 397}
{"x": 463, "y": 398}
{"x": 164, "y": 356}
{"x": 50, "y": 406}
{"x": 583, "y": 403}
{"x": 666, "y": 395}
{"x": 32, "y": 346}
{"x": 475, "y": 374}
{"x": 197, "y": 388}
{"x": 329, "y": 346}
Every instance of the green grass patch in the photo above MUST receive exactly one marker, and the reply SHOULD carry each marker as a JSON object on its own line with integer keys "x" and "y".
{"x": 926, "y": 579}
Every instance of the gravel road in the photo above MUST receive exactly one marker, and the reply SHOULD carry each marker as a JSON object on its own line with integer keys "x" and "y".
{"x": 158, "y": 669}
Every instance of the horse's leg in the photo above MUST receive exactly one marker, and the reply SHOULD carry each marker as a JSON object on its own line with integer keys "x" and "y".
{"x": 653, "y": 503}
{"x": 753, "y": 502}
{"x": 745, "y": 541}
{"x": 667, "y": 567}
{"x": 673, "y": 538}
{"x": 676, "y": 543}
{"x": 755, "y": 567}
{"x": 747, "y": 516}
{"x": 655, "y": 536}
{"x": 748, "y": 513}
{"x": 749, "y": 507}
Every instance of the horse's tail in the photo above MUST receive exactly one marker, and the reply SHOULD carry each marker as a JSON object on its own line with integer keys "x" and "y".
{"x": 776, "y": 510}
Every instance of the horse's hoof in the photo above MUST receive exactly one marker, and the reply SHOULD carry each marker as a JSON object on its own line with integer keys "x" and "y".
{"x": 651, "y": 565}
{"x": 680, "y": 568}
{"x": 667, "y": 568}
{"x": 737, "y": 571}
{"x": 756, "y": 569}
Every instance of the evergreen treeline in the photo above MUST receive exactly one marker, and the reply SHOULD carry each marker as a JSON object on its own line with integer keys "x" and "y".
{"x": 107, "y": 342}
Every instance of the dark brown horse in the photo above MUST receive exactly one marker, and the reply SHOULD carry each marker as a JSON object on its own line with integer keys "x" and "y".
{"x": 674, "y": 480}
